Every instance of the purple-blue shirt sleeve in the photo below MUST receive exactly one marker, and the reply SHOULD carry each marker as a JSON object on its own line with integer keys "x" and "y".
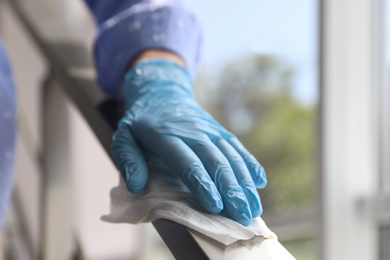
{"x": 7, "y": 131}
{"x": 128, "y": 27}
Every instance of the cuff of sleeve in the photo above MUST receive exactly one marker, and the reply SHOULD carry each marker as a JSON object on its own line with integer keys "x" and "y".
{"x": 134, "y": 30}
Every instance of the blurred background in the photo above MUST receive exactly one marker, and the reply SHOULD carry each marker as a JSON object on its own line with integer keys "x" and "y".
{"x": 303, "y": 84}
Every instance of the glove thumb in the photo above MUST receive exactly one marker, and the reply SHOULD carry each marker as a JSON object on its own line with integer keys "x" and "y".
{"x": 129, "y": 158}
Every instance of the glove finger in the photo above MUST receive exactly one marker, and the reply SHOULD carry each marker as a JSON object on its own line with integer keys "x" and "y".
{"x": 256, "y": 170}
{"x": 130, "y": 159}
{"x": 235, "y": 202}
{"x": 182, "y": 160}
{"x": 242, "y": 174}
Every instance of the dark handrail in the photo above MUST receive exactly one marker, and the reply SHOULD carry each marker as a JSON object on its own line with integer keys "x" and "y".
{"x": 64, "y": 58}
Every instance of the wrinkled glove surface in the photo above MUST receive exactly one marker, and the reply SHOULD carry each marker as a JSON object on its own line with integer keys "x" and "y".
{"x": 163, "y": 119}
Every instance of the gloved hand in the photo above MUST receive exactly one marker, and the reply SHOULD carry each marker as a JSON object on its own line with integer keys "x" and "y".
{"x": 163, "y": 119}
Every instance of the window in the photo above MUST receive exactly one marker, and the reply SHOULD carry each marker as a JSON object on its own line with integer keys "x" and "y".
{"x": 258, "y": 78}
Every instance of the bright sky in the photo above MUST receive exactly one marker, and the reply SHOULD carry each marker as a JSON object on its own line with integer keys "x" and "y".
{"x": 281, "y": 27}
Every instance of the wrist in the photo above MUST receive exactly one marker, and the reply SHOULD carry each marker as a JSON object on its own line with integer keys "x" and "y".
{"x": 160, "y": 54}
{"x": 148, "y": 77}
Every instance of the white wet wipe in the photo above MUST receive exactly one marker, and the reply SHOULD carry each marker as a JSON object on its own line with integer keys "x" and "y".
{"x": 166, "y": 197}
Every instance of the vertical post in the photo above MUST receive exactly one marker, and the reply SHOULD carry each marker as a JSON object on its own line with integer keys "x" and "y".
{"x": 350, "y": 145}
{"x": 383, "y": 81}
{"x": 58, "y": 240}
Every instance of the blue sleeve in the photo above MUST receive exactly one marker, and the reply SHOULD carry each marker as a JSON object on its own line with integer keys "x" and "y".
{"x": 129, "y": 27}
{"x": 7, "y": 131}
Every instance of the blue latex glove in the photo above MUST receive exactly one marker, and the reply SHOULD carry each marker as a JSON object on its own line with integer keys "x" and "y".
{"x": 163, "y": 119}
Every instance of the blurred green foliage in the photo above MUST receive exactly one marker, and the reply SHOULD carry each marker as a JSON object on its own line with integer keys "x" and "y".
{"x": 302, "y": 249}
{"x": 252, "y": 97}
